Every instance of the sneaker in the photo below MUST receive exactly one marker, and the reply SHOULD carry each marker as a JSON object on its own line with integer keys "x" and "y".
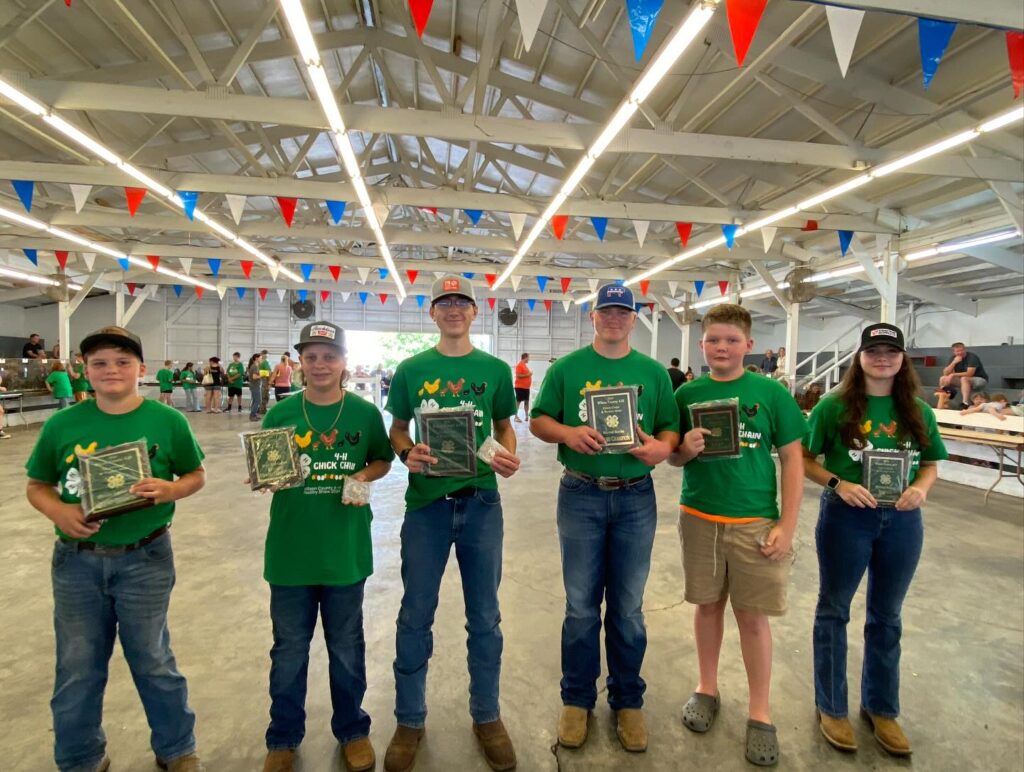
{"x": 280, "y": 761}
{"x": 401, "y": 755}
{"x": 358, "y": 755}
{"x": 496, "y": 745}
{"x": 4, "y": 435}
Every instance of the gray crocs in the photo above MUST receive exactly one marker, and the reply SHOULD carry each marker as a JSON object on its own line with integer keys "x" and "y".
{"x": 699, "y": 712}
{"x": 762, "y": 744}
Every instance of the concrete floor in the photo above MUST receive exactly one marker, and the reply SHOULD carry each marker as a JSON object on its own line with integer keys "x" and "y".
{"x": 963, "y": 664}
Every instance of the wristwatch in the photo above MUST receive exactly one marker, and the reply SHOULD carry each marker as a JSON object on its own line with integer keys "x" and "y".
{"x": 403, "y": 455}
{"x": 833, "y": 483}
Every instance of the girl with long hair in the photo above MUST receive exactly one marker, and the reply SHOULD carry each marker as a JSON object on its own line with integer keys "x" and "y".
{"x": 252, "y": 373}
{"x": 875, "y": 415}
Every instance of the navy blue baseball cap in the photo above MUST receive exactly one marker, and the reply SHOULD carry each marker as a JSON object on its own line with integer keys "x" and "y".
{"x": 611, "y": 295}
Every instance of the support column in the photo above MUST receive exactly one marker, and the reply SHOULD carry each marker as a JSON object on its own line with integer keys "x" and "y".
{"x": 222, "y": 328}
{"x": 792, "y": 341}
{"x": 888, "y": 306}
{"x": 118, "y": 305}
{"x": 64, "y": 329}
{"x": 655, "y": 314}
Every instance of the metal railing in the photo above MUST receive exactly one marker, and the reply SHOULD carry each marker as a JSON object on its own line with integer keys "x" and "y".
{"x": 828, "y": 370}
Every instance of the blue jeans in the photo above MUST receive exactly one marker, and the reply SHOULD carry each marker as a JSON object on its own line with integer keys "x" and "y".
{"x": 192, "y": 400}
{"x": 293, "y": 611}
{"x": 63, "y": 402}
{"x": 887, "y": 544}
{"x": 474, "y": 525}
{"x": 606, "y": 539}
{"x": 99, "y": 597}
{"x": 254, "y": 399}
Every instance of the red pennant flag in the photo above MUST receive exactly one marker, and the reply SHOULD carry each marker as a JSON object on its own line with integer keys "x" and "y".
{"x": 558, "y": 223}
{"x": 723, "y": 287}
{"x": 62, "y": 258}
{"x": 547, "y": 305}
{"x": 431, "y": 209}
{"x": 491, "y": 278}
{"x": 383, "y": 298}
{"x": 263, "y": 293}
{"x": 134, "y": 196}
{"x": 744, "y": 16}
{"x": 490, "y": 302}
{"x": 335, "y": 271}
{"x": 684, "y": 229}
{"x": 420, "y": 13}
{"x": 650, "y": 307}
{"x": 131, "y": 287}
{"x": 645, "y": 284}
{"x": 287, "y": 208}
{"x": 411, "y": 275}
{"x": 247, "y": 268}
{"x": 810, "y": 225}
{"x": 67, "y": 3}
{"x": 1015, "y": 50}
{"x": 565, "y": 281}
{"x": 324, "y": 294}
{"x": 199, "y": 292}
{"x": 154, "y": 260}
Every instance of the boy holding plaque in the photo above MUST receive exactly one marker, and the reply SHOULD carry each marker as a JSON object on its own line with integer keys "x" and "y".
{"x": 318, "y": 551}
{"x": 880, "y": 445}
{"x": 445, "y": 511}
{"x": 113, "y": 578}
{"x": 597, "y": 398}
{"x": 736, "y": 544}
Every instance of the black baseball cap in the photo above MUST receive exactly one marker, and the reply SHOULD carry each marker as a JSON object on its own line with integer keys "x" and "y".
{"x": 114, "y": 336}
{"x": 882, "y": 332}
{"x": 321, "y": 332}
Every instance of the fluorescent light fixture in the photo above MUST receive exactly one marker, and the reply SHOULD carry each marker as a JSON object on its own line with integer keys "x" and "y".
{"x": 835, "y": 274}
{"x": 21, "y": 99}
{"x": 82, "y": 139}
{"x": 618, "y": 121}
{"x": 12, "y": 273}
{"x": 301, "y": 31}
{"x": 710, "y": 302}
{"x": 834, "y": 192}
{"x": 960, "y": 246}
{"x": 926, "y": 152}
{"x": 22, "y": 219}
{"x": 1010, "y": 116}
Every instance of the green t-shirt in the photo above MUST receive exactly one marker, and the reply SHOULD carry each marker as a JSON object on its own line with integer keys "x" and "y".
{"x": 60, "y": 383}
{"x": 432, "y": 380}
{"x": 188, "y": 380}
{"x": 165, "y": 378}
{"x": 265, "y": 369}
{"x": 562, "y": 398}
{"x": 173, "y": 450}
{"x": 746, "y": 486}
{"x": 79, "y": 382}
{"x": 880, "y": 429}
{"x": 313, "y": 538}
{"x": 236, "y": 374}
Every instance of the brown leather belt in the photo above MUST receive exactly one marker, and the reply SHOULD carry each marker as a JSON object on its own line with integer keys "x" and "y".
{"x": 115, "y": 549}
{"x": 606, "y": 483}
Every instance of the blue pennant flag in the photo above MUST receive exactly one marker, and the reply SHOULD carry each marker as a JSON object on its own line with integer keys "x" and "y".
{"x": 469, "y": 275}
{"x": 933, "y": 36}
{"x": 600, "y": 225}
{"x": 474, "y": 215}
{"x": 337, "y": 210}
{"x": 638, "y": 307}
{"x": 363, "y": 296}
{"x": 420, "y": 299}
{"x": 24, "y": 189}
{"x": 123, "y": 261}
{"x": 531, "y": 303}
{"x": 542, "y": 282}
{"x": 845, "y": 237}
{"x": 177, "y": 290}
{"x": 189, "y": 199}
{"x": 33, "y": 257}
{"x": 586, "y": 306}
{"x": 620, "y": 282}
{"x": 643, "y": 15}
{"x": 240, "y": 291}
{"x": 698, "y": 286}
{"x": 302, "y": 295}
{"x": 383, "y": 273}
{"x": 729, "y": 231}
{"x": 307, "y": 270}
{"x": 214, "y": 263}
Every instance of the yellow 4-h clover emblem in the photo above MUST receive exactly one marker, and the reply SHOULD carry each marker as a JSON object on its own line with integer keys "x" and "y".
{"x": 115, "y": 481}
{"x": 885, "y": 479}
{"x": 273, "y": 456}
{"x": 612, "y": 422}
{"x": 448, "y": 446}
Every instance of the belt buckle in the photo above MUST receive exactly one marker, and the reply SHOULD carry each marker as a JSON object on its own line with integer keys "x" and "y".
{"x": 608, "y": 483}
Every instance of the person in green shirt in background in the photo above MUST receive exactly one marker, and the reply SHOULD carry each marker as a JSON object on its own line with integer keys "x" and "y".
{"x": 236, "y": 377}
{"x": 79, "y": 383}
{"x": 319, "y": 553}
{"x": 736, "y": 544}
{"x": 165, "y": 378}
{"x": 59, "y": 384}
{"x": 876, "y": 408}
{"x": 189, "y": 383}
{"x": 441, "y": 512}
{"x": 607, "y": 515}
{"x": 252, "y": 372}
{"x": 265, "y": 372}
{"x": 112, "y": 579}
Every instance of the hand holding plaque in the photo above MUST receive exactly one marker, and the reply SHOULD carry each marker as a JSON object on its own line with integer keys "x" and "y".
{"x": 107, "y": 477}
{"x": 272, "y": 458}
{"x": 613, "y": 413}
{"x": 451, "y": 436}
{"x": 721, "y": 417}
{"x": 885, "y": 474}
{"x": 355, "y": 492}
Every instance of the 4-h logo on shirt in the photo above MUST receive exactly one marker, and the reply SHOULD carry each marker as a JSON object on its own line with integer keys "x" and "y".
{"x": 73, "y": 481}
{"x": 304, "y": 464}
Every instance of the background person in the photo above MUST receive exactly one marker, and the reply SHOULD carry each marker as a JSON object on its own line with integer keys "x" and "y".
{"x": 33, "y": 349}
{"x": 79, "y": 383}
{"x": 3, "y": 434}
{"x": 165, "y": 379}
{"x": 235, "y": 377}
{"x": 282, "y": 378}
{"x": 252, "y": 370}
{"x": 769, "y": 364}
{"x": 189, "y": 383}
{"x": 965, "y": 372}
{"x": 523, "y": 382}
{"x": 677, "y": 376}
{"x": 59, "y": 384}
{"x": 213, "y": 380}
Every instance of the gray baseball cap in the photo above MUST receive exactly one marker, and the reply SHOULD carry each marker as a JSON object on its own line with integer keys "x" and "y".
{"x": 322, "y": 332}
{"x": 452, "y": 284}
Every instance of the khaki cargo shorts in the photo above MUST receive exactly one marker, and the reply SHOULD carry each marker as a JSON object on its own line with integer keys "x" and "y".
{"x": 722, "y": 560}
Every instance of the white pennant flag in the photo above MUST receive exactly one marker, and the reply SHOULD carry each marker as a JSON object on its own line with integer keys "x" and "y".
{"x": 672, "y": 287}
{"x": 236, "y": 204}
{"x": 280, "y": 295}
{"x": 844, "y": 24}
{"x": 515, "y": 282}
{"x": 566, "y": 304}
{"x": 186, "y": 264}
{"x": 221, "y": 291}
{"x": 768, "y": 236}
{"x": 275, "y": 269}
{"x": 511, "y": 303}
{"x": 88, "y": 258}
{"x": 382, "y": 211}
{"x": 592, "y": 283}
{"x": 345, "y": 296}
{"x": 518, "y": 220}
{"x": 363, "y": 273}
{"x": 641, "y": 226}
{"x": 80, "y": 193}
{"x": 438, "y": 274}
{"x": 530, "y": 13}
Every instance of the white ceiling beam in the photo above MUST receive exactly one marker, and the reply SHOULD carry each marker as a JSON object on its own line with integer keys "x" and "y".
{"x": 938, "y": 296}
{"x": 847, "y": 309}
{"x": 1004, "y": 14}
